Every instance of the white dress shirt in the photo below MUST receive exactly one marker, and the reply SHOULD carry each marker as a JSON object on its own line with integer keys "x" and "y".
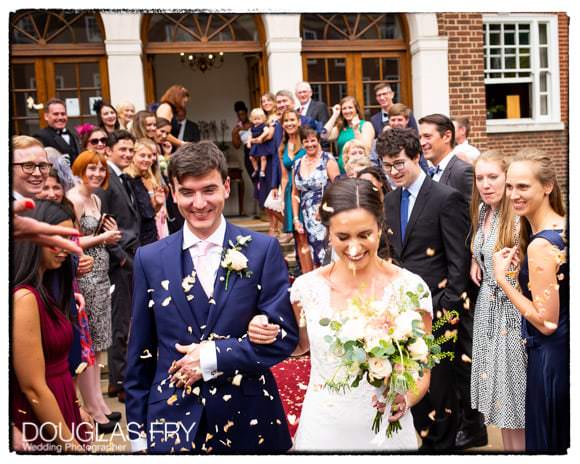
{"x": 304, "y": 108}
{"x": 442, "y": 165}
{"x": 414, "y": 189}
{"x": 472, "y": 152}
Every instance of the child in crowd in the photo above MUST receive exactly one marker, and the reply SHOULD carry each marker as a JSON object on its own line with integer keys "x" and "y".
{"x": 261, "y": 144}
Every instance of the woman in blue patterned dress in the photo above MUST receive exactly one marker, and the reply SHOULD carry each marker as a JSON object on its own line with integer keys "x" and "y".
{"x": 312, "y": 173}
{"x": 544, "y": 297}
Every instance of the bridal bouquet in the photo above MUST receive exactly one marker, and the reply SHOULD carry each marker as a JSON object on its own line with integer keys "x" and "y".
{"x": 384, "y": 342}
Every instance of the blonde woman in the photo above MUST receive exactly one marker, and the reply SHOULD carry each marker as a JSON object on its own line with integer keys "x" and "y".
{"x": 498, "y": 371}
{"x": 355, "y": 156}
{"x": 149, "y": 195}
{"x": 125, "y": 111}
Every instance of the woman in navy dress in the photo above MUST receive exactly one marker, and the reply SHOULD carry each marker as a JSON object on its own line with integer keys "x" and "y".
{"x": 543, "y": 299}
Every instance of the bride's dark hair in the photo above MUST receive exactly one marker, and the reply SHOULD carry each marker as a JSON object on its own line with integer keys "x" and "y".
{"x": 352, "y": 193}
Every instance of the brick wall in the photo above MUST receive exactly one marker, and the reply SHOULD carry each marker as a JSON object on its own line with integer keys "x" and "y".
{"x": 467, "y": 89}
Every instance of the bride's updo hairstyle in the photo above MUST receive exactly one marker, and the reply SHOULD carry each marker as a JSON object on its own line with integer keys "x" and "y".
{"x": 353, "y": 193}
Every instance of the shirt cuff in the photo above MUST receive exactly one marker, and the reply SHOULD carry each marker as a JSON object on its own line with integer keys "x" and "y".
{"x": 208, "y": 360}
{"x": 138, "y": 444}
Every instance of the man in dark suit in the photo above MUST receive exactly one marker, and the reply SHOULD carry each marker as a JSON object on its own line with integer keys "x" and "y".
{"x": 384, "y": 95}
{"x": 437, "y": 134}
{"x": 57, "y": 135}
{"x": 188, "y": 130}
{"x": 119, "y": 201}
{"x": 313, "y": 109}
{"x": 427, "y": 226}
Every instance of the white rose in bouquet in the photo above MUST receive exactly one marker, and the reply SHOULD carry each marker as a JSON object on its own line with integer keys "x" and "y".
{"x": 235, "y": 260}
{"x": 352, "y": 329}
{"x": 380, "y": 368}
{"x": 372, "y": 338}
{"x": 404, "y": 324}
{"x": 418, "y": 350}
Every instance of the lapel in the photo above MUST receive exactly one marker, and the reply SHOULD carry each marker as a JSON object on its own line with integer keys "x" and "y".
{"x": 447, "y": 172}
{"x": 395, "y": 221}
{"x": 173, "y": 271}
{"x": 420, "y": 203}
{"x": 220, "y": 294}
{"x": 59, "y": 142}
{"x": 119, "y": 187}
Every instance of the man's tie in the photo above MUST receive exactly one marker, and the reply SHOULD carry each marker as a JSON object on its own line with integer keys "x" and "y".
{"x": 125, "y": 181}
{"x": 434, "y": 170}
{"x": 203, "y": 268}
{"x": 405, "y": 194}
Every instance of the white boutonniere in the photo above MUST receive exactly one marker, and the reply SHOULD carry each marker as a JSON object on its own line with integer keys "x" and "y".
{"x": 234, "y": 260}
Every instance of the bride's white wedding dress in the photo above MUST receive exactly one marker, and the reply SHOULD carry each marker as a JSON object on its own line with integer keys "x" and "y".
{"x": 342, "y": 421}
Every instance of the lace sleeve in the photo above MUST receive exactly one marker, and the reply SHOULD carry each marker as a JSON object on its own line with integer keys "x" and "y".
{"x": 297, "y": 291}
{"x": 425, "y": 302}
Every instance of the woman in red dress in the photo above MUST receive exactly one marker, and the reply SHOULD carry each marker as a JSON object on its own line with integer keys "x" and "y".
{"x": 43, "y": 399}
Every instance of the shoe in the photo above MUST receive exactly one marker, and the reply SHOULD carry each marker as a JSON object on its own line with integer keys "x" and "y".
{"x": 113, "y": 391}
{"x": 115, "y": 416}
{"x": 105, "y": 428}
{"x": 465, "y": 440}
{"x": 121, "y": 396}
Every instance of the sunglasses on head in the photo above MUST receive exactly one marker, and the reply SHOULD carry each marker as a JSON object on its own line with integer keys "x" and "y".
{"x": 95, "y": 141}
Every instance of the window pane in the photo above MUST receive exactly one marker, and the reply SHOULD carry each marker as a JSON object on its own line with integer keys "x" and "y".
{"x": 65, "y": 76}
{"x": 315, "y": 70}
{"x": 524, "y": 62}
{"x": 543, "y": 105}
{"x": 495, "y": 27}
{"x": 337, "y": 69}
{"x": 90, "y": 75}
{"x": 510, "y": 51}
{"x": 509, "y": 38}
{"x": 312, "y": 27}
{"x": 88, "y": 98}
{"x": 510, "y": 62}
{"x": 495, "y": 38}
{"x": 543, "y": 57}
{"x": 543, "y": 34}
{"x": 23, "y": 76}
{"x": 391, "y": 69}
{"x": 371, "y": 69}
{"x": 524, "y": 38}
{"x": 495, "y": 63}
{"x": 543, "y": 81}
{"x": 497, "y": 101}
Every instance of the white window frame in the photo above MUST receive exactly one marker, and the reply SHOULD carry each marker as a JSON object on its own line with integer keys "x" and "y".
{"x": 551, "y": 121}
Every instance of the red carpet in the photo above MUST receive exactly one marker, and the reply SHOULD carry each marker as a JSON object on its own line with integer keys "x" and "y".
{"x": 292, "y": 377}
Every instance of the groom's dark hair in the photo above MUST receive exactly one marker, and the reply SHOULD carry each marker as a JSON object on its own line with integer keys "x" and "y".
{"x": 197, "y": 159}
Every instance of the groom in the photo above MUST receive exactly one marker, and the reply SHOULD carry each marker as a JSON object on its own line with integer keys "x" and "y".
{"x": 194, "y": 381}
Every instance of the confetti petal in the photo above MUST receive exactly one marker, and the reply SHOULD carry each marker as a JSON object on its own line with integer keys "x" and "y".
{"x": 166, "y": 301}
{"x": 227, "y": 397}
{"x": 237, "y": 380}
{"x": 111, "y": 289}
{"x": 189, "y": 297}
{"x": 146, "y": 354}
{"x": 430, "y": 252}
{"x": 291, "y": 419}
{"x": 151, "y": 303}
{"x": 442, "y": 284}
{"x": 550, "y": 325}
{"x": 81, "y": 367}
{"x": 165, "y": 284}
{"x": 228, "y": 426}
{"x": 431, "y": 415}
{"x": 424, "y": 433}
{"x": 172, "y": 399}
{"x": 465, "y": 358}
{"x": 254, "y": 422}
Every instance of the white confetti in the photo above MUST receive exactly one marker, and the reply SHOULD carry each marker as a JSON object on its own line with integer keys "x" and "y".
{"x": 81, "y": 367}
{"x": 550, "y": 325}
{"x": 195, "y": 391}
{"x": 165, "y": 284}
{"x": 259, "y": 287}
{"x": 283, "y": 334}
{"x": 291, "y": 419}
{"x": 189, "y": 329}
{"x": 151, "y": 303}
{"x": 227, "y": 397}
{"x": 254, "y": 422}
{"x": 166, "y": 301}
{"x": 146, "y": 354}
{"x": 211, "y": 301}
{"x": 189, "y": 297}
{"x": 237, "y": 380}
{"x": 111, "y": 289}
{"x": 150, "y": 290}
{"x": 213, "y": 391}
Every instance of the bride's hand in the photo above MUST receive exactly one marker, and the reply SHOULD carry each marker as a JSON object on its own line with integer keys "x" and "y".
{"x": 261, "y": 332}
{"x": 399, "y": 408}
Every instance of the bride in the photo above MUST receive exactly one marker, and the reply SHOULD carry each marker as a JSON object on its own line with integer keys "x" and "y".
{"x": 353, "y": 214}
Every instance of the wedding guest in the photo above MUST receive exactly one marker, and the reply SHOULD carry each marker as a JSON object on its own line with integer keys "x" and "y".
{"x": 144, "y": 125}
{"x": 149, "y": 195}
{"x": 42, "y": 389}
{"x": 162, "y": 132}
{"x": 96, "y": 140}
{"x": 260, "y": 144}
{"x": 384, "y": 95}
{"x": 52, "y": 189}
{"x": 290, "y": 150}
{"x": 312, "y": 174}
{"x": 355, "y": 156}
{"x": 376, "y": 177}
{"x": 30, "y": 167}
{"x": 125, "y": 112}
{"x": 346, "y": 124}
{"x": 57, "y": 134}
{"x": 188, "y": 130}
{"x": 107, "y": 118}
{"x": 175, "y": 98}
{"x": 543, "y": 298}
{"x": 498, "y": 369}
{"x": 91, "y": 168}
{"x": 463, "y": 149}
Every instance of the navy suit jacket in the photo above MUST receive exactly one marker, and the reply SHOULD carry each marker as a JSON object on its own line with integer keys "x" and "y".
{"x": 254, "y": 405}
{"x": 318, "y": 111}
{"x": 439, "y": 221}
{"x": 378, "y": 124}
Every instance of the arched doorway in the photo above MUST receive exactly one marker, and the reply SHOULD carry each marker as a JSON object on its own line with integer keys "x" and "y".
{"x": 179, "y": 48}
{"x": 347, "y": 54}
{"x": 56, "y": 53}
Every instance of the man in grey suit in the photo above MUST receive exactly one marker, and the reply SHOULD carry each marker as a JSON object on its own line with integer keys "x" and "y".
{"x": 308, "y": 107}
{"x": 437, "y": 134}
{"x": 119, "y": 201}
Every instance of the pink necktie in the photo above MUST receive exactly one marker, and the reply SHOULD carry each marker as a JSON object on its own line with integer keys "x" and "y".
{"x": 203, "y": 268}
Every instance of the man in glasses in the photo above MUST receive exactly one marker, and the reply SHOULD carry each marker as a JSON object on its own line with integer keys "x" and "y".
{"x": 30, "y": 167}
{"x": 57, "y": 135}
{"x": 427, "y": 226}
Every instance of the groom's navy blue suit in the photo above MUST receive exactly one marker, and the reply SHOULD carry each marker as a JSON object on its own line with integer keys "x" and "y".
{"x": 221, "y": 415}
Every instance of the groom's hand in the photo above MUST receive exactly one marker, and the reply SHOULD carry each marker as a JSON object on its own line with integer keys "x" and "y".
{"x": 187, "y": 370}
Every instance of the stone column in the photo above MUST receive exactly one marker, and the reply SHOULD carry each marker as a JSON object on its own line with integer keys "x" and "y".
{"x": 124, "y": 54}
{"x": 283, "y": 47}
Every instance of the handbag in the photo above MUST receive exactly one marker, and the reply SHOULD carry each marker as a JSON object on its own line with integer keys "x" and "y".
{"x": 275, "y": 204}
